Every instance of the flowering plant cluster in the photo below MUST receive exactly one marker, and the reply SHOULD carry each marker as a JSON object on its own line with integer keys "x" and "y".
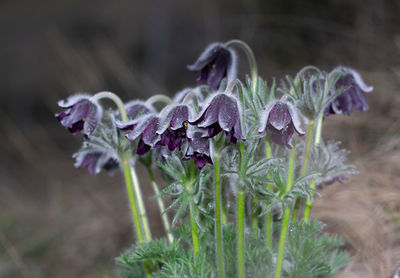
{"x": 242, "y": 162}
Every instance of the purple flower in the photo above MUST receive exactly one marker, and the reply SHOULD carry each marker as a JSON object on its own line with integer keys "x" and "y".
{"x": 215, "y": 63}
{"x": 280, "y": 120}
{"x": 173, "y": 126}
{"x": 95, "y": 161}
{"x": 145, "y": 128}
{"x": 80, "y": 114}
{"x": 221, "y": 112}
{"x": 199, "y": 150}
{"x": 351, "y": 98}
{"x": 137, "y": 108}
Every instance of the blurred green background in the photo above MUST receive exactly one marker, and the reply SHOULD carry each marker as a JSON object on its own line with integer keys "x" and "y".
{"x": 58, "y": 221}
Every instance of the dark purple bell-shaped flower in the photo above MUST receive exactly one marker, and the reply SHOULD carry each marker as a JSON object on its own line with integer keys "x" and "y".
{"x": 173, "y": 126}
{"x": 280, "y": 120}
{"x": 199, "y": 150}
{"x": 95, "y": 161}
{"x": 351, "y": 98}
{"x": 215, "y": 63}
{"x": 145, "y": 128}
{"x": 221, "y": 113}
{"x": 80, "y": 114}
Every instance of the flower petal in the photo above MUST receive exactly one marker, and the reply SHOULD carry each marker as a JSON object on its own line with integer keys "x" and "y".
{"x": 295, "y": 115}
{"x": 228, "y": 112}
{"x": 279, "y": 116}
{"x": 264, "y": 116}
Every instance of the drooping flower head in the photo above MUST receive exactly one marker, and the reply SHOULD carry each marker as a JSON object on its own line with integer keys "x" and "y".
{"x": 199, "y": 150}
{"x": 215, "y": 63}
{"x": 145, "y": 128}
{"x": 80, "y": 114}
{"x": 95, "y": 161}
{"x": 221, "y": 113}
{"x": 173, "y": 126}
{"x": 280, "y": 120}
{"x": 351, "y": 98}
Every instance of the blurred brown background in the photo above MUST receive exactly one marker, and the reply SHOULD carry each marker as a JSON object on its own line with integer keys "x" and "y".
{"x": 58, "y": 221}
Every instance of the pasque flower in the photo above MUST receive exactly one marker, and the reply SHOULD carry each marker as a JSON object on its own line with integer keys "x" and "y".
{"x": 215, "y": 63}
{"x": 199, "y": 150}
{"x": 166, "y": 129}
{"x": 221, "y": 112}
{"x": 95, "y": 161}
{"x": 351, "y": 98}
{"x": 173, "y": 126}
{"x": 145, "y": 128}
{"x": 280, "y": 120}
{"x": 80, "y": 114}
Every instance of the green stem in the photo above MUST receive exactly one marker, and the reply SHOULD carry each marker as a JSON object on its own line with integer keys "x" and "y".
{"x": 158, "y": 98}
{"x": 252, "y": 60}
{"x": 319, "y": 129}
{"x": 193, "y": 225}
{"x": 303, "y": 170}
{"x": 218, "y": 218}
{"x": 224, "y": 213}
{"x": 164, "y": 216}
{"x": 268, "y": 218}
{"x": 313, "y": 185}
{"x": 131, "y": 182}
{"x": 134, "y": 210}
{"x": 240, "y": 233}
{"x": 195, "y": 233}
{"x": 308, "y": 205}
{"x": 254, "y": 217}
{"x": 285, "y": 218}
{"x": 141, "y": 207}
{"x": 241, "y": 218}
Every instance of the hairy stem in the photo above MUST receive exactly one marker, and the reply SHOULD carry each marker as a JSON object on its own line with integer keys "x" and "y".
{"x": 134, "y": 209}
{"x": 252, "y": 60}
{"x": 164, "y": 216}
{"x": 313, "y": 185}
{"x": 193, "y": 225}
{"x": 158, "y": 98}
{"x": 268, "y": 218}
{"x": 224, "y": 213}
{"x": 240, "y": 233}
{"x": 195, "y": 233}
{"x": 303, "y": 170}
{"x": 254, "y": 217}
{"x": 118, "y": 102}
{"x": 218, "y": 218}
{"x": 131, "y": 182}
{"x": 285, "y": 218}
{"x": 241, "y": 218}
{"x": 140, "y": 203}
